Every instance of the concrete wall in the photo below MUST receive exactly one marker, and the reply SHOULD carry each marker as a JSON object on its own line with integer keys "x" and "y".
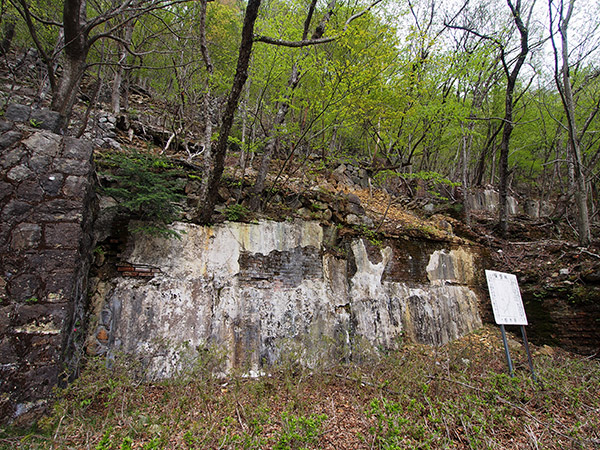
{"x": 489, "y": 200}
{"x": 45, "y": 242}
{"x": 262, "y": 290}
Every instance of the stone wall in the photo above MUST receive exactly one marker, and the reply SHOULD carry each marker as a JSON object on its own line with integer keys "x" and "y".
{"x": 46, "y": 205}
{"x": 263, "y": 291}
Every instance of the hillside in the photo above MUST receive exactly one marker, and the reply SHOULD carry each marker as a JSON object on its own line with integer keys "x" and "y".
{"x": 457, "y": 396}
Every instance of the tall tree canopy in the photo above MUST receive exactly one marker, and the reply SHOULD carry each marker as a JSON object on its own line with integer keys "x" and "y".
{"x": 498, "y": 92}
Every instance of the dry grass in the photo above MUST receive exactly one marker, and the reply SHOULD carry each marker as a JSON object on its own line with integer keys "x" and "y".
{"x": 454, "y": 397}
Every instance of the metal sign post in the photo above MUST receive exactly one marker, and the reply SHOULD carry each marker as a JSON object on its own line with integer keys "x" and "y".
{"x": 508, "y": 310}
{"x": 529, "y": 358}
{"x": 506, "y": 352}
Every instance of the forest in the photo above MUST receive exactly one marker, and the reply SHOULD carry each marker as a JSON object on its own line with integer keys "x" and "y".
{"x": 206, "y": 111}
{"x": 501, "y": 93}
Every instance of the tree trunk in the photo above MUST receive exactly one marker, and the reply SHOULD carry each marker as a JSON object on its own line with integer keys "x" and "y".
{"x": 503, "y": 161}
{"x": 563, "y": 83}
{"x": 74, "y": 62}
{"x": 8, "y": 34}
{"x": 508, "y": 114}
{"x": 467, "y": 141}
{"x": 213, "y": 173}
{"x": 284, "y": 106}
{"x": 68, "y": 87}
{"x": 269, "y": 151}
{"x": 205, "y": 112}
{"x": 118, "y": 79}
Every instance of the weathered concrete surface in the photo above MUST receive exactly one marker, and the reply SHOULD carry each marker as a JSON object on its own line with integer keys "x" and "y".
{"x": 489, "y": 200}
{"x": 45, "y": 241}
{"x": 261, "y": 291}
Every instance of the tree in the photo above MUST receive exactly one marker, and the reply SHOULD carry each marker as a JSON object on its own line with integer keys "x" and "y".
{"x": 283, "y": 106}
{"x": 563, "y": 83}
{"x": 214, "y": 171}
{"x": 78, "y": 34}
{"x": 512, "y": 74}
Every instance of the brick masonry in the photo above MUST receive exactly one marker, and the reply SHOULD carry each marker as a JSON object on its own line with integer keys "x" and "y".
{"x": 287, "y": 268}
{"x": 46, "y": 213}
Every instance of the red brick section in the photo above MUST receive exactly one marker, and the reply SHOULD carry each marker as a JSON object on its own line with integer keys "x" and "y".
{"x": 137, "y": 270}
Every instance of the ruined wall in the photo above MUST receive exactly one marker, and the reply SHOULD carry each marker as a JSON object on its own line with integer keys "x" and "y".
{"x": 489, "y": 200}
{"x": 45, "y": 242}
{"x": 260, "y": 290}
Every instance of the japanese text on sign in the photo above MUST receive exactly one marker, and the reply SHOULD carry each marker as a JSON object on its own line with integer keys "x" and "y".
{"x": 506, "y": 298}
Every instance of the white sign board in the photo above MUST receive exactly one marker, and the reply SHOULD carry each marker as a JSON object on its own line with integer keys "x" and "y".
{"x": 506, "y": 298}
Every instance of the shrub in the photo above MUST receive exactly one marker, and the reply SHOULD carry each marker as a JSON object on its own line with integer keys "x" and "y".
{"x": 147, "y": 189}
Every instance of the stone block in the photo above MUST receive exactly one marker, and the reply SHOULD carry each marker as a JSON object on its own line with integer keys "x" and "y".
{"x": 6, "y": 189}
{"x": 5, "y": 315}
{"x": 17, "y": 113}
{"x": 305, "y": 213}
{"x": 5, "y": 125}
{"x": 15, "y": 211}
{"x": 43, "y": 349}
{"x": 26, "y": 236}
{"x": 353, "y": 219}
{"x": 36, "y": 383}
{"x": 77, "y": 149}
{"x": 43, "y": 143}
{"x": 52, "y": 183}
{"x": 8, "y": 353}
{"x": 59, "y": 210}
{"x": 72, "y": 166}
{"x": 30, "y": 191}
{"x": 59, "y": 286}
{"x": 39, "y": 318}
{"x": 13, "y": 157}
{"x": 54, "y": 261}
{"x": 46, "y": 119}
{"x": 75, "y": 187}
{"x": 23, "y": 287}
{"x": 39, "y": 164}
{"x": 19, "y": 173}
{"x": 5, "y": 230}
{"x": 62, "y": 235}
{"x": 9, "y": 138}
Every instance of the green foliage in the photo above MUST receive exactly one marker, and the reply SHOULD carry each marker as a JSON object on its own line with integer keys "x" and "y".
{"x": 236, "y": 212}
{"x": 413, "y": 397}
{"x": 433, "y": 177}
{"x": 147, "y": 189}
{"x": 432, "y": 180}
{"x": 394, "y": 428}
{"x": 127, "y": 444}
{"x": 298, "y": 431}
{"x": 371, "y": 235}
{"x": 105, "y": 442}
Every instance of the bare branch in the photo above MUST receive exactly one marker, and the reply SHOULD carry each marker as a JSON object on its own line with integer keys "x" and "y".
{"x": 309, "y": 42}
{"x": 26, "y": 14}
